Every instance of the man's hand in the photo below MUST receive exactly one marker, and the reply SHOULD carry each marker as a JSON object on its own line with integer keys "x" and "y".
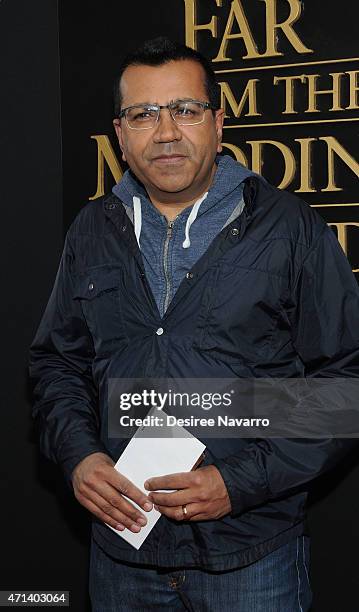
{"x": 202, "y": 491}
{"x": 100, "y": 489}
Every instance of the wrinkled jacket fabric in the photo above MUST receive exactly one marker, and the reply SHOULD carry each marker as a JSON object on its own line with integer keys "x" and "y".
{"x": 272, "y": 296}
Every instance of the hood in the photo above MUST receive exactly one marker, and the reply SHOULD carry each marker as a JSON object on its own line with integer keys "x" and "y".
{"x": 229, "y": 175}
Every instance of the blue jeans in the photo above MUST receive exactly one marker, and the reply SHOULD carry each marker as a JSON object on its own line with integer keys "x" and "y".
{"x": 277, "y": 583}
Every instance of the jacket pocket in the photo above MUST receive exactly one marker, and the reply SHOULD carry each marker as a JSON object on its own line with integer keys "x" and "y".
{"x": 99, "y": 291}
{"x": 241, "y": 315}
{"x": 201, "y": 339}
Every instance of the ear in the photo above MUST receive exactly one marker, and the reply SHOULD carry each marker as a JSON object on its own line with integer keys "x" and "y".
{"x": 118, "y": 130}
{"x": 219, "y": 118}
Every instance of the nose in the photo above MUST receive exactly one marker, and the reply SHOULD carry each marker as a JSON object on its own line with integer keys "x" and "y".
{"x": 166, "y": 129}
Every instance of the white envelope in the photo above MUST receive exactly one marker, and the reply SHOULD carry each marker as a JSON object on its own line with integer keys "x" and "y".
{"x": 145, "y": 457}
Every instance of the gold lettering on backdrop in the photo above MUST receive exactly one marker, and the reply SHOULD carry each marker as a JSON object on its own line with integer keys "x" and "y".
{"x": 286, "y": 26}
{"x": 289, "y": 91}
{"x": 238, "y": 153}
{"x": 320, "y": 93}
{"x": 313, "y": 92}
{"x": 237, "y": 14}
{"x": 250, "y": 94}
{"x": 354, "y": 88}
{"x": 191, "y": 25}
{"x": 289, "y": 159}
{"x": 342, "y": 235}
{"x": 237, "y": 20}
{"x": 335, "y": 148}
{"x": 106, "y": 153}
{"x": 305, "y": 165}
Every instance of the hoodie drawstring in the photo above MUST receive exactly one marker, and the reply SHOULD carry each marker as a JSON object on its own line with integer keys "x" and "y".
{"x": 191, "y": 219}
{"x": 137, "y": 218}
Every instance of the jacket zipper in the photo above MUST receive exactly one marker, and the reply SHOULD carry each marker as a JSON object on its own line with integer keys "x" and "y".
{"x": 165, "y": 265}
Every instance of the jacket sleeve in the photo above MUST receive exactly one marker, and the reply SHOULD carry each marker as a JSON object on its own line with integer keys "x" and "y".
{"x": 324, "y": 315}
{"x": 61, "y": 354}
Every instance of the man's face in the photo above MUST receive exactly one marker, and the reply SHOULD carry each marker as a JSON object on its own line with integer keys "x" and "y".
{"x": 172, "y": 161}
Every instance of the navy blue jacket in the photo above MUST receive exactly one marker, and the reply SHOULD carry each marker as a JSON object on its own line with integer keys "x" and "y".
{"x": 272, "y": 296}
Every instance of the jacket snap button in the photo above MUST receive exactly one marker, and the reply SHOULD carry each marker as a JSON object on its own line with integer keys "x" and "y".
{"x": 189, "y": 275}
{"x": 124, "y": 228}
{"x": 91, "y": 286}
{"x": 234, "y": 231}
{"x": 159, "y": 331}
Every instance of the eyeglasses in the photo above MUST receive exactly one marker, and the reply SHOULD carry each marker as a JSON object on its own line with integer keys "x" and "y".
{"x": 183, "y": 112}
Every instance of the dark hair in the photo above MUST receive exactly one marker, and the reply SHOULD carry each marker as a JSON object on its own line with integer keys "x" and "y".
{"x": 159, "y": 51}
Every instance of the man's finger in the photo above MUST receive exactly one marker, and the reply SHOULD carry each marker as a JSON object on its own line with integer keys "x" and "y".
{"x": 182, "y": 480}
{"x": 101, "y": 508}
{"x": 126, "y": 487}
{"x": 176, "y": 513}
{"x": 115, "y": 499}
{"x": 178, "y": 498}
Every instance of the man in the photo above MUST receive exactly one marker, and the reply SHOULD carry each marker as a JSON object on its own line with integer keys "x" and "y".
{"x": 193, "y": 268}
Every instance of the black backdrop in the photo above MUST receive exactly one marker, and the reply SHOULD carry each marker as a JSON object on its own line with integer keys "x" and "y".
{"x": 58, "y": 60}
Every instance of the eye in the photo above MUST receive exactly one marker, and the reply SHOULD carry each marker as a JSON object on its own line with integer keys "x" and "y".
{"x": 143, "y": 114}
{"x": 187, "y": 110}
{"x": 184, "y": 110}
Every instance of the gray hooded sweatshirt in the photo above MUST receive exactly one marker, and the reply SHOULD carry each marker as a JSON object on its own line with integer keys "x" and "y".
{"x": 170, "y": 249}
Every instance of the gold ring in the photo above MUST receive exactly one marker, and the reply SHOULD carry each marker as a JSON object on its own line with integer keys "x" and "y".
{"x": 184, "y": 509}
